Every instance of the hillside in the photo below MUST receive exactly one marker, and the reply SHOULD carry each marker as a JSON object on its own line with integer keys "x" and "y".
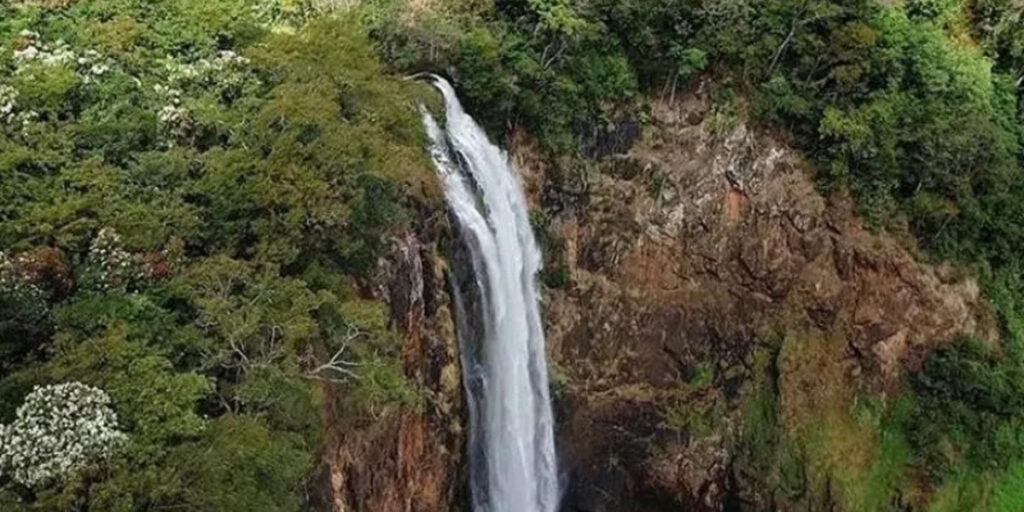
{"x": 782, "y": 251}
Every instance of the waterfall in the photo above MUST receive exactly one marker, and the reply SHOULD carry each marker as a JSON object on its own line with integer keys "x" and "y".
{"x": 511, "y": 439}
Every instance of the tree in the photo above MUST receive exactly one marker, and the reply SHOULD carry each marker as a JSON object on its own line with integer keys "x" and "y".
{"x": 59, "y": 430}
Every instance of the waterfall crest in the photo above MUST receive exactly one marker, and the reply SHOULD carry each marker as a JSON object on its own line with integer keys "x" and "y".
{"x": 511, "y": 441}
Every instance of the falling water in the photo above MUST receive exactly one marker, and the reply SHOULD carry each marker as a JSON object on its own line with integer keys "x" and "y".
{"x": 511, "y": 446}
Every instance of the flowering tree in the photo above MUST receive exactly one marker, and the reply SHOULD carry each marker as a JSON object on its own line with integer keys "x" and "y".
{"x": 58, "y": 430}
{"x": 109, "y": 265}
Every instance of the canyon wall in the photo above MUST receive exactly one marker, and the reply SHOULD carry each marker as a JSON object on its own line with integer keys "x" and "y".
{"x": 407, "y": 459}
{"x": 705, "y": 272}
{"x": 692, "y": 280}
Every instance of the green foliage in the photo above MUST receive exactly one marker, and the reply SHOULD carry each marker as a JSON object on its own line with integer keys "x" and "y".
{"x": 155, "y": 402}
{"x": 542, "y": 64}
{"x": 191, "y": 193}
{"x": 766, "y": 455}
{"x": 886, "y": 476}
{"x": 697, "y": 407}
{"x": 250, "y": 316}
{"x": 381, "y": 379}
{"x": 791, "y": 448}
{"x": 1008, "y": 492}
{"x": 938, "y": 11}
{"x": 999, "y": 27}
{"x": 690, "y": 60}
{"x": 25, "y": 323}
{"x": 241, "y": 464}
{"x": 969, "y": 411}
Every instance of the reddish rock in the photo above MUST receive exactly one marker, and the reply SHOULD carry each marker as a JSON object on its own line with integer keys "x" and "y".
{"x": 733, "y": 246}
{"x": 402, "y": 459}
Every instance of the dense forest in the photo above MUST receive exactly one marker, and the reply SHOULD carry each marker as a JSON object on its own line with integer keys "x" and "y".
{"x": 186, "y": 218}
{"x": 194, "y": 195}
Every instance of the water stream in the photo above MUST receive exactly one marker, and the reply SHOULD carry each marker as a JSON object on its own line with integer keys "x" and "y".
{"x": 511, "y": 441}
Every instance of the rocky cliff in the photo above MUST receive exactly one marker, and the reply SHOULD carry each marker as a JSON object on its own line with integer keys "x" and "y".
{"x": 706, "y": 278}
{"x": 706, "y": 307}
{"x": 410, "y": 459}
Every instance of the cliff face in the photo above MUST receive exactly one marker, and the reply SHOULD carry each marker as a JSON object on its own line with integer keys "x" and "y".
{"x": 404, "y": 460}
{"x": 706, "y": 272}
{"x": 712, "y": 306}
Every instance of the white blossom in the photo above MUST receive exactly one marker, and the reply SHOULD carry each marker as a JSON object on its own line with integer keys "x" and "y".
{"x": 59, "y": 430}
{"x": 89, "y": 65}
{"x": 170, "y": 94}
{"x": 37, "y": 52}
{"x": 10, "y": 113}
{"x": 15, "y": 284}
{"x": 7, "y": 277}
{"x": 8, "y": 103}
{"x": 176, "y": 121}
{"x": 225, "y": 68}
{"x": 114, "y": 265}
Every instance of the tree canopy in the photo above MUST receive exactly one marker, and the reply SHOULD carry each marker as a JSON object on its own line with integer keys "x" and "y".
{"x": 193, "y": 194}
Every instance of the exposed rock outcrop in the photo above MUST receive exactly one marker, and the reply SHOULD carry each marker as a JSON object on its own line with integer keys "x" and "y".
{"x": 403, "y": 460}
{"x": 701, "y": 269}
{"x": 704, "y": 248}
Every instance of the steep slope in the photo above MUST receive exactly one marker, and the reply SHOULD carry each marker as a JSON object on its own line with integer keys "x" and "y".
{"x": 404, "y": 460}
{"x": 717, "y": 306}
{"x": 722, "y": 337}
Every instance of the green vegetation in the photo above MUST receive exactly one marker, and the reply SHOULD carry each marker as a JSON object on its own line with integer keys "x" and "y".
{"x": 191, "y": 195}
{"x": 696, "y": 407}
{"x": 537, "y": 64}
{"x": 913, "y": 108}
{"x": 895, "y": 103}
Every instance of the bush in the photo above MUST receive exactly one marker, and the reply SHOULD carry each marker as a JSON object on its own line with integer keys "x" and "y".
{"x": 969, "y": 411}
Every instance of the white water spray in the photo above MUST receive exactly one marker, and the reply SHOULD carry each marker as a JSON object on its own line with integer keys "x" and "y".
{"x": 512, "y": 449}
